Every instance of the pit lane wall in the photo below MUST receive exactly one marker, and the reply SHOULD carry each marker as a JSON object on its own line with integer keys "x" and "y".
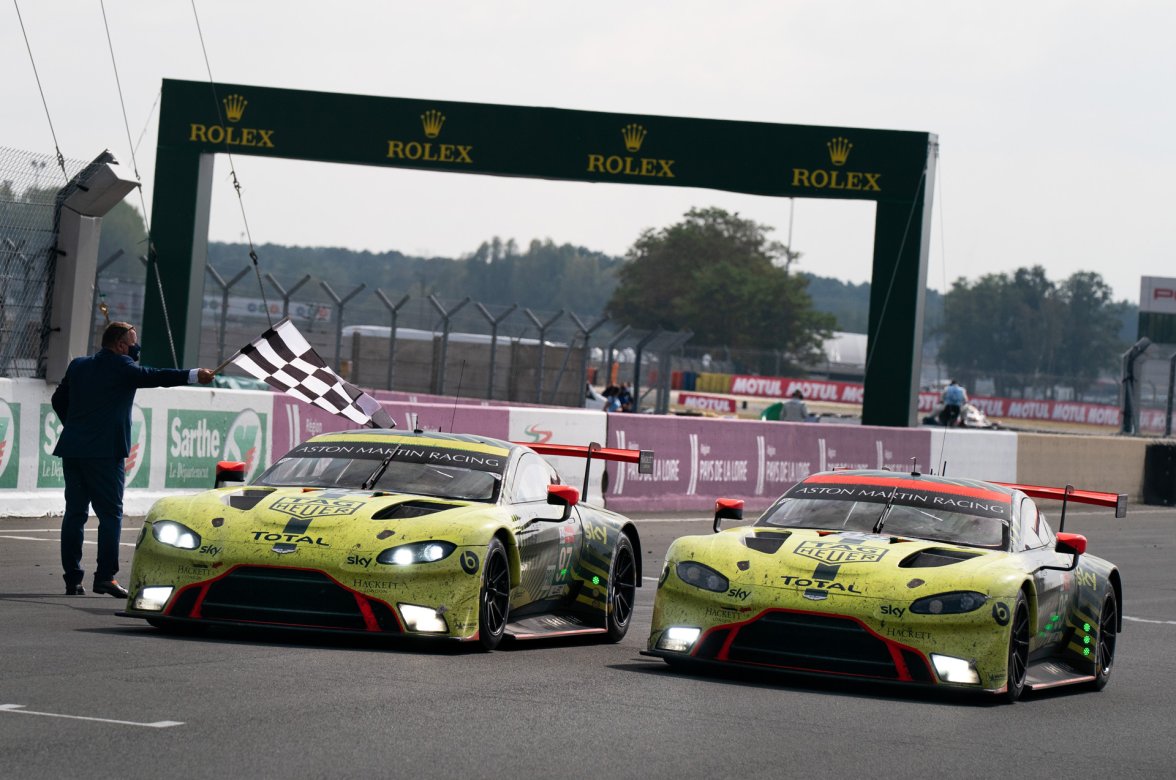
{"x": 178, "y": 435}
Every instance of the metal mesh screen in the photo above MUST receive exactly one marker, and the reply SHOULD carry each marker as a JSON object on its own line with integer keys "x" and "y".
{"x": 29, "y": 185}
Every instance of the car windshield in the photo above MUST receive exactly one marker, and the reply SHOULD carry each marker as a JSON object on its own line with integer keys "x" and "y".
{"x": 419, "y": 470}
{"x": 917, "y": 522}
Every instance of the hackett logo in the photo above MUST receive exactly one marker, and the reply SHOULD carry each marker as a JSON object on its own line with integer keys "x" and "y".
{"x": 633, "y": 135}
{"x": 232, "y": 136}
{"x": 427, "y": 151}
{"x": 837, "y": 179}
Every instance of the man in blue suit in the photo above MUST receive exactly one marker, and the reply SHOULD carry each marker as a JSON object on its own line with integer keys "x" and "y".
{"x": 94, "y": 403}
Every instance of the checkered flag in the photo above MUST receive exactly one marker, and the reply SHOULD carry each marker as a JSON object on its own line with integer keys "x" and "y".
{"x": 283, "y": 358}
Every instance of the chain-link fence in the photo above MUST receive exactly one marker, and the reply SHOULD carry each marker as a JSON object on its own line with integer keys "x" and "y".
{"x": 29, "y": 188}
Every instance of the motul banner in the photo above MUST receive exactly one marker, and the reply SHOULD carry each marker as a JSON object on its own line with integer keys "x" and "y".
{"x": 707, "y": 403}
{"x": 812, "y": 389}
{"x": 1006, "y": 408}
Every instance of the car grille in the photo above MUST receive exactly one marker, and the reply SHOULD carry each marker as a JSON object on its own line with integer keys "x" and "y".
{"x": 290, "y": 597}
{"x": 827, "y": 644}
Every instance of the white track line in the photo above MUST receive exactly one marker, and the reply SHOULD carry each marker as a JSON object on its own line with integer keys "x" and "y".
{"x": 1145, "y": 620}
{"x": 40, "y": 539}
{"x": 20, "y": 710}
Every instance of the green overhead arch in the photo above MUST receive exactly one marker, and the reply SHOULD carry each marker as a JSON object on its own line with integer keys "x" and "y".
{"x": 895, "y": 169}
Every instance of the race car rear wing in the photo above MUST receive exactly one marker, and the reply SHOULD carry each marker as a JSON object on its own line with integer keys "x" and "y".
{"x": 1068, "y": 493}
{"x": 643, "y": 458}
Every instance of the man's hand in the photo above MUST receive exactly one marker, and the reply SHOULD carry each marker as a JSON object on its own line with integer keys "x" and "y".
{"x": 204, "y": 375}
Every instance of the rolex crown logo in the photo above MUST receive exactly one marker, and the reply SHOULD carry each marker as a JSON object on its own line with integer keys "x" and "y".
{"x": 634, "y": 135}
{"x": 432, "y": 120}
{"x": 235, "y": 107}
{"x": 839, "y": 149}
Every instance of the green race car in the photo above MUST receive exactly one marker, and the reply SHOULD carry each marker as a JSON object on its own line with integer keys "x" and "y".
{"x": 382, "y": 532}
{"x": 903, "y": 578}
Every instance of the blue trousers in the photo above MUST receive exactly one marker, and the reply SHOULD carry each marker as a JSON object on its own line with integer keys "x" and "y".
{"x": 96, "y": 482}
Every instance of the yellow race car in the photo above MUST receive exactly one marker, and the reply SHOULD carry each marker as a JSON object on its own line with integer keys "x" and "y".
{"x": 902, "y": 578}
{"x": 383, "y": 532}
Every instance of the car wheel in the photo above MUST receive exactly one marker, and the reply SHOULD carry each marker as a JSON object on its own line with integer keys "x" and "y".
{"x": 1108, "y": 632}
{"x": 1018, "y": 667}
{"x": 622, "y": 590}
{"x": 494, "y": 599}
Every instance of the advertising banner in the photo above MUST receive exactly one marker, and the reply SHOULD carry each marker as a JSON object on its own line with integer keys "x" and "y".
{"x": 9, "y": 444}
{"x": 707, "y": 403}
{"x": 699, "y": 460}
{"x": 296, "y": 421}
{"x": 197, "y": 440}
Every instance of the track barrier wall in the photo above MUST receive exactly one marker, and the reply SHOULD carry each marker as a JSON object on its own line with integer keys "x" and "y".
{"x": 179, "y": 434}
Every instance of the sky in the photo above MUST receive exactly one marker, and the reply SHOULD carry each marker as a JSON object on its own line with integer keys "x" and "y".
{"x": 1055, "y": 118}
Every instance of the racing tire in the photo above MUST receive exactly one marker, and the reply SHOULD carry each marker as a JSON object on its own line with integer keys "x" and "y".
{"x": 1108, "y": 632}
{"x": 1018, "y": 661}
{"x": 494, "y": 596}
{"x": 622, "y": 590}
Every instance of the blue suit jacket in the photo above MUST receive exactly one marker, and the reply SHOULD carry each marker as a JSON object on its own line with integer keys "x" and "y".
{"x": 94, "y": 403}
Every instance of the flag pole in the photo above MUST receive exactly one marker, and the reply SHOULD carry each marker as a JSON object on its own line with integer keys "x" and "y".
{"x": 221, "y": 367}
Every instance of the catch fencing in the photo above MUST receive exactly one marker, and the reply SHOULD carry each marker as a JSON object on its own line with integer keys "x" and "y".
{"x": 441, "y": 346}
{"x": 31, "y": 186}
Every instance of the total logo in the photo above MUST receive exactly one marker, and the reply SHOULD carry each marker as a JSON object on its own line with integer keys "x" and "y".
{"x": 244, "y": 442}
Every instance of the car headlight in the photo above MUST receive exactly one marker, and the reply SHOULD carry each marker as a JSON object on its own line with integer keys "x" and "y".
{"x": 678, "y": 639}
{"x": 423, "y": 619}
{"x": 152, "y": 598}
{"x": 701, "y": 576}
{"x": 955, "y": 670}
{"x": 417, "y": 552}
{"x": 949, "y": 603}
{"x": 173, "y": 534}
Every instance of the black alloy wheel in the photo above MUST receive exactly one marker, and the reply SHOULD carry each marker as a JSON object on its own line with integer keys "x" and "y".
{"x": 494, "y": 599}
{"x": 1108, "y": 632}
{"x": 1018, "y": 650}
{"x": 622, "y": 590}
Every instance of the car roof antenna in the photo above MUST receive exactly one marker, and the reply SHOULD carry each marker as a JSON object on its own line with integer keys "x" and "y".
{"x": 915, "y": 467}
{"x": 592, "y": 447}
{"x": 1065, "y": 501}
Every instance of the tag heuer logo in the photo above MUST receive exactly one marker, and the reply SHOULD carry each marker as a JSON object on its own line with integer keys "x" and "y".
{"x": 314, "y": 507}
{"x": 839, "y": 552}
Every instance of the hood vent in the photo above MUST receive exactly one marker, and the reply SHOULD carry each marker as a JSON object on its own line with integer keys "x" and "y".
{"x": 765, "y": 543}
{"x": 925, "y": 559}
{"x": 247, "y": 498}
{"x": 408, "y": 509}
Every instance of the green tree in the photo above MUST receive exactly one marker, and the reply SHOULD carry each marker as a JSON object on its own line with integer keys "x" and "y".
{"x": 1024, "y": 330}
{"x": 719, "y": 276}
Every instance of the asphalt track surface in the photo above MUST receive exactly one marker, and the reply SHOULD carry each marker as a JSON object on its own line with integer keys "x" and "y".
{"x": 86, "y": 693}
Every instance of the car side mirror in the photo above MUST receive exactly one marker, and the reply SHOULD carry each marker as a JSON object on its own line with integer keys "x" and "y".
{"x": 564, "y": 496}
{"x": 1071, "y": 544}
{"x": 230, "y": 472}
{"x": 727, "y": 509}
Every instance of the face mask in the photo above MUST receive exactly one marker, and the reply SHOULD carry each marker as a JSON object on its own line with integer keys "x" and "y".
{"x": 134, "y": 350}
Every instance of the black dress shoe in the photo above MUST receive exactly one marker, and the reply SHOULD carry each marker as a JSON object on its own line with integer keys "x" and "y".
{"x": 112, "y": 588}
{"x": 75, "y": 590}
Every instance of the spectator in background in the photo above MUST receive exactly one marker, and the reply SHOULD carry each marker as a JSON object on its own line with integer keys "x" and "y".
{"x": 625, "y": 397}
{"x": 611, "y": 402}
{"x": 795, "y": 409}
{"x": 954, "y": 398}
